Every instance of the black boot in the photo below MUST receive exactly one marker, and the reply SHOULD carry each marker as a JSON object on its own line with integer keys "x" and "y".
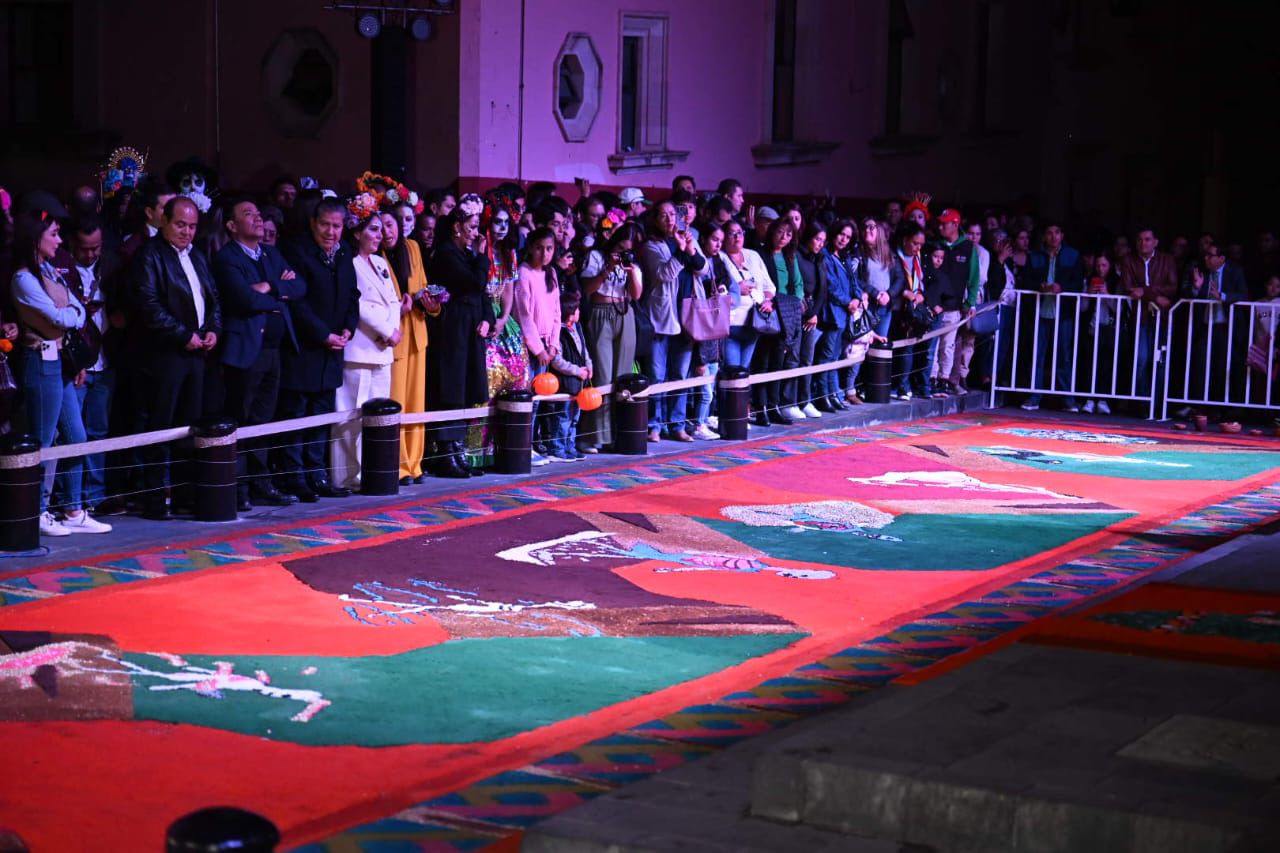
{"x": 446, "y": 464}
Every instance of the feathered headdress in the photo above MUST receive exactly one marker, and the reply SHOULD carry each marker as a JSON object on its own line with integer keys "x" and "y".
{"x": 917, "y": 199}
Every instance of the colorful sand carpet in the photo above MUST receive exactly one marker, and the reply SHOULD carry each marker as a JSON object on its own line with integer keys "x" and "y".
{"x": 442, "y": 673}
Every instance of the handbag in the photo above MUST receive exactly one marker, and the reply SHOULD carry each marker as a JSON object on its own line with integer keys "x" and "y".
{"x": 1259, "y": 352}
{"x": 765, "y": 323}
{"x": 987, "y": 320}
{"x": 77, "y": 353}
{"x": 921, "y": 317}
{"x": 859, "y": 325}
{"x": 704, "y": 318}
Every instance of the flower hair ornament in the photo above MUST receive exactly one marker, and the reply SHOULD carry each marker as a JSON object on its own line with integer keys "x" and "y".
{"x": 360, "y": 207}
{"x": 612, "y": 220}
{"x": 917, "y": 200}
{"x": 123, "y": 170}
{"x": 471, "y": 204}
{"x": 388, "y": 190}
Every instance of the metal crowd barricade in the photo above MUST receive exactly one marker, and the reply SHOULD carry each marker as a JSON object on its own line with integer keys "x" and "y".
{"x": 1222, "y": 355}
{"x": 1106, "y": 329}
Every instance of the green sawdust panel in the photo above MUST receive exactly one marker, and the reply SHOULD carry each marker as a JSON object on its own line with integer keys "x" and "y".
{"x": 929, "y": 543}
{"x": 457, "y": 692}
{"x": 1160, "y": 465}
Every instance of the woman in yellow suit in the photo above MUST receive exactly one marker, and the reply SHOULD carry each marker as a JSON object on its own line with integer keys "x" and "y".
{"x": 409, "y": 369}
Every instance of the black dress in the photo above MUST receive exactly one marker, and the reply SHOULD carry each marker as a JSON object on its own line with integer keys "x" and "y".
{"x": 456, "y": 374}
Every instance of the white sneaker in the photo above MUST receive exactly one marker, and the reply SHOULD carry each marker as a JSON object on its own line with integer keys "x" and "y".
{"x": 1030, "y": 407}
{"x": 555, "y": 458}
{"x": 811, "y": 411}
{"x": 84, "y": 523}
{"x": 713, "y": 422}
{"x": 794, "y": 413}
{"x": 1087, "y": 408}
{"x": 50, "y": 526}
{"x": 704, "y": 433}
{"x": 536, "y": 459}
{"x": 1103, "y": 408}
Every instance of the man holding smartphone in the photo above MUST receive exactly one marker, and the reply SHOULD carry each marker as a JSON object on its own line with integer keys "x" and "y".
{"x": 92, "y": 266}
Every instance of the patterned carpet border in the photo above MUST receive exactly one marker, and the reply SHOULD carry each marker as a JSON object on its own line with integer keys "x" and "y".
{"x": 499, "y": 808}
{"x": 39, "y": 583}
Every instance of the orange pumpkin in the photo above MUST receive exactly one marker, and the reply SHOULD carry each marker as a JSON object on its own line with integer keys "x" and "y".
{"x": 589, "y": 398}
{"x": 6, "y": 345}
{"x": 545, "y": 384}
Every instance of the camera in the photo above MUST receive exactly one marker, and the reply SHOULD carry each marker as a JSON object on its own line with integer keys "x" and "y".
{"x": 627, "y": 259}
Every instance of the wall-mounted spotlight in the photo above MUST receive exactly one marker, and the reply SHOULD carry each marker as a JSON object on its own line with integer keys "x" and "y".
{"x": 369, "y": 25}
{"x": 421, "y": 28}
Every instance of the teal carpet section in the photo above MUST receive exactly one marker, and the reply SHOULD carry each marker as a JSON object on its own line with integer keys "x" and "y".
{"x": 1153, "y": 465}
{"x": 457, "y": 692}
{"x": 929, "y": 543}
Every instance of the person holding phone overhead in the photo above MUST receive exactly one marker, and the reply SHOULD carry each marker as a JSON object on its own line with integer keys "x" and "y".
{"x": 612, "y": 283}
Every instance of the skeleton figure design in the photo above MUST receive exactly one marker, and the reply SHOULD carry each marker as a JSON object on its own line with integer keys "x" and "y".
{"x": 74, "y": 657}
{"x": 1047, "y": 457}
{"x": 1073, "y": 435}
{"x": 950, "y": 480}
{"x": 594, "y": 544}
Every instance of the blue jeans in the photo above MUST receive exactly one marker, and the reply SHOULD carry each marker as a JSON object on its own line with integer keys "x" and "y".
{"x": 806, "y": 386}
{"x": 706, "y": 394}
{"x": 95, "y": 409}
{"x": 53, "y": 411}
{"x": 1062, "y": 330}
{"x": 830, "y": 345}
{"x": 739, "y": 346}
{"x": 669, "y": 361}
{"x": 562, "y": 427}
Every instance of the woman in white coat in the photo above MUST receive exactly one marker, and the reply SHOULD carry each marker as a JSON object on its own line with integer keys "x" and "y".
{"x": 366, "y": 372}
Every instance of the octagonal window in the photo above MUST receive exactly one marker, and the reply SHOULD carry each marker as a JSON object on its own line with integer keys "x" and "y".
{"x": 577, "y": 87}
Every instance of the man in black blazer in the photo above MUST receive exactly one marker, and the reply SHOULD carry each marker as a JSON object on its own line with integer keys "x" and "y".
{"x": 255, "y": 285}
{"x": 179, "y": 324}
{"x": 324, "y": 320}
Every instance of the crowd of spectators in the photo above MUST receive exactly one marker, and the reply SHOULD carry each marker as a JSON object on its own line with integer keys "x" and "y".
{"x": 158, "y": 304}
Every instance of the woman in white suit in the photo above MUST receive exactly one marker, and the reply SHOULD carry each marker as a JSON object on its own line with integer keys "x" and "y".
{"x": 366, "y": 372}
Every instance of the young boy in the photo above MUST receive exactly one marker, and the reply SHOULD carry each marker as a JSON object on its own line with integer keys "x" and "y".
{"x": 944, "y": 296}
{"x": 573, "y": 368}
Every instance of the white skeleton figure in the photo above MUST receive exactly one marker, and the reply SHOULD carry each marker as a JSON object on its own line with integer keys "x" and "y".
{"x": 201, "y": 680}
{"x": 1072, "y": 435}
{"x": 950, "y": 480}
{"x": 595, "y": 544}
{"x": 1052, "y": 457}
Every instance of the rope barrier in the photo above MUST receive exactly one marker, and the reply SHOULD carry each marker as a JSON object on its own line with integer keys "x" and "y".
{"x": 143, "y": 439}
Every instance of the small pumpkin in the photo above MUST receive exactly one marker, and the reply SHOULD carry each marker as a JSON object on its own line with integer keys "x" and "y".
{"x": 589, "y": 399}
{"x": 545, "y": 384}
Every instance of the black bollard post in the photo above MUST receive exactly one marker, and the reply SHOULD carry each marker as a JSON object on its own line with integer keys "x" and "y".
{"x": 21, "y": 479}
{"x": 380, "y": 447}
{"x": 214, "y": 477}
{"x": 733, "y": 402}
{"x": 221, "y": 829}
{"x": 879, "y": 374}
{"x": 630, "y": 415}
{"x": 513, "y": 433}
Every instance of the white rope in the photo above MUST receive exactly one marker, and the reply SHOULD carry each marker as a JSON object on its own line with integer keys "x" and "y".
{"x": 142, "y": 439}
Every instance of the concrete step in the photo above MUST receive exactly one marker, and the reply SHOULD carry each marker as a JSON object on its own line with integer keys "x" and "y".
{"x": 1050, "y": 750}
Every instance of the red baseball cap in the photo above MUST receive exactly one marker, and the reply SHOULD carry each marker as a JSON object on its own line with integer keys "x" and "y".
{"x": 950, "y": 215}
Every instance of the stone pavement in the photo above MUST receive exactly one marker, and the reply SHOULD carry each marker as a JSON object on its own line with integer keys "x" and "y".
{"x": 1030, "y": 748}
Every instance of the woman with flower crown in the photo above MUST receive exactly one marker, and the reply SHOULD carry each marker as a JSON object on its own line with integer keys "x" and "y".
{"x": 506, "y": 359}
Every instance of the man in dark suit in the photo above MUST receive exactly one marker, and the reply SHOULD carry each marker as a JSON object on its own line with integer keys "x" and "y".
{"x": 255, "y": 285}
{"x": 324, "y": 320}
{"x": 1223, "y": 285}
{"x": 178, "y": 326}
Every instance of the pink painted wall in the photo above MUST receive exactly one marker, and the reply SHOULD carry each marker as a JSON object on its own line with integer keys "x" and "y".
{"x": 719, "y": 89}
